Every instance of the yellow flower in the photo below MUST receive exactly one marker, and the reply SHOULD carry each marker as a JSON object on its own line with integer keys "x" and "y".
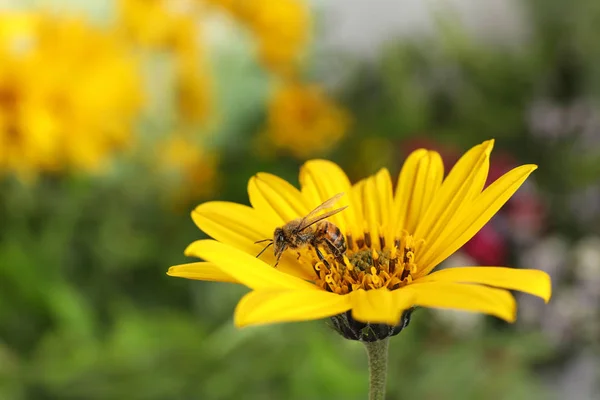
{"x": 282, "y": 29}
{"x": 60, "y": 104}
{"x": 193, "y": 94}
{"x": 150, "y": 23}
{"x": 394, "y": 238}
{"x": 173, "y": 27}
{"x": 303, "y": 121}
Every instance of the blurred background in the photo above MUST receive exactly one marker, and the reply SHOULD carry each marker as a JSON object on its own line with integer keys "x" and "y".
{"x": 118, "y": 117}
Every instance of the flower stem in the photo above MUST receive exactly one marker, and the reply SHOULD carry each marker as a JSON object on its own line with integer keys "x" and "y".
{"x": 378, "y": 356}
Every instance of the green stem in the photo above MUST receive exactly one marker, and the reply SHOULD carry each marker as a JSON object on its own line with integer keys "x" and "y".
{"x": 378, "y": 355}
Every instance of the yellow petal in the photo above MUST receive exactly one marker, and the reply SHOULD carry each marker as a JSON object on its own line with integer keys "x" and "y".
{"x": 232, "y": 223}
{"x": 405, "y": 187}
{"x": 383, "y": 185}
{"x": 358, "y": 227}
{"x": 320, "y": 180}
{"x": 465, "y": 181}
{"x": 241, "y": 226}
{"x": 465, "y": 225}
{"x": 270, "y": 306}
{"x": 202, "y": 271}
{"x": 245, "y": 268}
{"x": 371, "y": 211}
{"x": 380, "y": 305}
{"x": 530, "y": 281}
{"x": 497, "y": 302}
{"x": 276, "y": 199}
{"x": 419, "y": 180}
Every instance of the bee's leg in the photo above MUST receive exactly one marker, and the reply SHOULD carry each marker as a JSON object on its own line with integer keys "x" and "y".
{"x": 319, "y": 254}
{"x": 321, "y": 257}
{"x": 332, "y": 248}
{"x": 335, "y": 251}
{"x": 299, "y": 255}
{"x": 277, "y": 261}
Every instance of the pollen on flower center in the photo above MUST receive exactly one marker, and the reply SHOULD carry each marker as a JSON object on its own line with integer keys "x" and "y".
{"x": 364, "y": 267}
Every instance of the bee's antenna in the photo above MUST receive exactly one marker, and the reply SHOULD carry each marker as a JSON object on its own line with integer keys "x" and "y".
{"x": 266, "y": 247}
{"x": 264, "y": 240}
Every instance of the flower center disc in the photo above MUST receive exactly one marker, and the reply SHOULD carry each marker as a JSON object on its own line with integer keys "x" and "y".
{"x": 364, "y": 267}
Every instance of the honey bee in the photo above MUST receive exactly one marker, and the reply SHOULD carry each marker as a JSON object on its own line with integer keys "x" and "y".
{"x": 310, "y": 230}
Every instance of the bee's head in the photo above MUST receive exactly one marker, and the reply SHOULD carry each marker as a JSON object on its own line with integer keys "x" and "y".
{"x": 279, "y": 242}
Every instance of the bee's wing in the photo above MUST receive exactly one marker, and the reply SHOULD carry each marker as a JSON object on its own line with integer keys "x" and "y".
{"x": 306, "y": 222}
{"x": 324, "y": 205}
{"x": 310, "y": 218}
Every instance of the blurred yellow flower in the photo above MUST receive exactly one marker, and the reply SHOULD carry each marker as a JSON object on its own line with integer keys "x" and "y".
{"x": 281, "y": 27}
{"x": 173, "y": 26}
{"x": 68, "y": 94}
{"x": 303, "y": 120}
{"x": 393, "y": 242}
{"x": 193, "y": 88}
{"x": 151, "y": 23}
{"x": 191, "y": 167}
